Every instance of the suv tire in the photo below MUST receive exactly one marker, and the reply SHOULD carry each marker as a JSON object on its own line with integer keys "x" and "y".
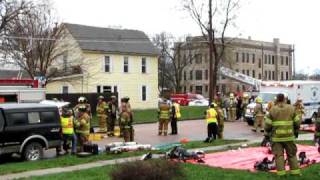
{"x": 33, "y": 151}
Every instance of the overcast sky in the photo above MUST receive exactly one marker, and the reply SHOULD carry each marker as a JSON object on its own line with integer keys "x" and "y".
{"x": 293, "y": 21}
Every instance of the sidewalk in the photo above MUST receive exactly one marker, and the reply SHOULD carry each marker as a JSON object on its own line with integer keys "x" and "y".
{"x": 44, "y": 172}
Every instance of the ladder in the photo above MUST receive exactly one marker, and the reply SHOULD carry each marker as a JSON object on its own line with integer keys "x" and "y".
{"x": 229, "y": 73}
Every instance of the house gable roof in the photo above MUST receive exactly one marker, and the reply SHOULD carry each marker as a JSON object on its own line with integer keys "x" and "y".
{"x": 111, "y": 40}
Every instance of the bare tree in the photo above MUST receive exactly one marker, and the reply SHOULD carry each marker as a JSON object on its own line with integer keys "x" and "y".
{"x": 32, "y": 40}
{"x": 171, "y": 64}
{"x": 221, "y": 14}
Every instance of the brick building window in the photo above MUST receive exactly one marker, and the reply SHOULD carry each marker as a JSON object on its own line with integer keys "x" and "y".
{"x": 191, "y": 89}
{"x": 259, "y": 63}
{"x": 273, "y": 75}
{"x": 272, "y": 59}
{"x": 282, "y": 62}
{"x": 198, "y": 74}
{"x": 191, "y": 75}
{"x": 243, "y": 57}
{"x": 260, "y": 77}
{"x": 269, "y": 76}
{"x": 265, "y": 75}
{"x": 253, "y": 73}
{"x": 206, "y": 74}
{"x": 269, "y": 59}
{"x": 265, "y": 59}
{"x": 282, "y": 76}
{"x": 287, "y": 75}
{"x": 237, "y": 57}
{"x": 287, "y": 60}
{"x": 248, "y": 72}
{"x": 199, "y": 89}
{"x": 253, "y": 58}
{"x": 248, "y": 57}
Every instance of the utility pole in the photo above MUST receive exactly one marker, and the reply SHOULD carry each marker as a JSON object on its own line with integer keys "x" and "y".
{"x": 210, "y": 39}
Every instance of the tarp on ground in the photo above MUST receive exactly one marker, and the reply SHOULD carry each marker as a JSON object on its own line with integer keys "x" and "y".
{"x": 308, "y": 127}
{"x": 244, "y": 159}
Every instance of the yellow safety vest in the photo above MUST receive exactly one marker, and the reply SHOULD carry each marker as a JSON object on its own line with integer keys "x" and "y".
{"x": 67, "y": 125}
{"x": 211, "y": 116}
{"x": 177, "y": 109}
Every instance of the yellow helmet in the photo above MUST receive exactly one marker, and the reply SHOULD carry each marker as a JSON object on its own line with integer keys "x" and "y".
{"x": 231, "y": 95}
{"x": 259, "y": 100}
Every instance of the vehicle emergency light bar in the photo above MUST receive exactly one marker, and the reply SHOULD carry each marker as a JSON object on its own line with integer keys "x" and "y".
{"x": 19, "y": 82}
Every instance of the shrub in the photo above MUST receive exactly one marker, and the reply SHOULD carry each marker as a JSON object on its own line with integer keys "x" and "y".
{"x": 147, "y": 170}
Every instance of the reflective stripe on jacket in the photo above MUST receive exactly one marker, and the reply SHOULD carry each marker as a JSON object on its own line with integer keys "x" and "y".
{"x": 67, "y": 125}
{"x": 211, "y": 116}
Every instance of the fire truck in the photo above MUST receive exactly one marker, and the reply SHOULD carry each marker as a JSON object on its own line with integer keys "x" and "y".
{"x": 21, "y": 91}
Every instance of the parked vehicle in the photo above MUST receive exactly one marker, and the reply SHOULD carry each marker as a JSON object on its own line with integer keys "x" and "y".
{"x": 28, "y": 129}
{"x": 184, "y": 99}
{"x": 308, "y": 91}
{"x": 200, "y": 102}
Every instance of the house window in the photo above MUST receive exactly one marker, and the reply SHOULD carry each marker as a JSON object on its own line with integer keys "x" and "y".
{"x": 282, "y": 77}
{"x": 269, "y": 75}
{"x": 282, "y": 61}
{"x": 265, "y": 59}
{"x": 207, "y": 88}
{"x": 185, "y": 75}
{"x": 269, "y": 59}
{"x": 237, "y": 57}
{"x": 260, "y": 77}
{"x": 143, "y": 65}
{"x": 206, "y": 74}
{"x": 272, "y": 59}
{"x": 248, "y": 57}
{"x": 287, "y": 75}
{"x": 198, "y": 74}
{"x": 273, "y": 75}
{"x": 265, "y": 75}
{"x": 253, "y": 73}
{"x": 253, "y": 58}
{"x": 65, "y": 89}
{"x": 98, "y": 89}
{"x": 107, "y": 64}
{"x": 191, "y": 75}
{"x": 65, "y": 61}
{"x": 199, "y": 89}
{"x": 125, "y": 64}
{"x": 198, "y": 58}
{"x": 191, "y": 88}
{"x": 287, "y": 60}
{"x": 107, "y": 89}
{"x": 243, "y": 57}
{"x": 243, "y": 71}
{"x": 144, "y": 93}
{"x": 115, "y": 89}
{"x": 259, "y": 63}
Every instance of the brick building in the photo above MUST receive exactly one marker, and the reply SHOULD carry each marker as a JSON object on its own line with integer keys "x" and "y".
{"x": 268, "y": 61}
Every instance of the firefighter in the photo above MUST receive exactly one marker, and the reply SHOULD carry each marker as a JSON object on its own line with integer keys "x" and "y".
{"x": 258, "y": 115}
{"x": 164, "y": 117}
{"x": 102, "y": 109}
{"x": 112, "y": 115}
{"x": 82, "y": 125}
{"x": 220, "y": 119}
{"x": 317, "y": 130}
{"x": 125, "y": 107}
{"x": 68, "y": 131}
{"x": 126, "y": 123}
{"x": 245, "y": 103}
{"x": 211, "y": 118}
{"x": 175, "y": 116}
{"x": 283, "y": 125}
{"x": 232, "y": 108}
{"x": 299, "y": 108}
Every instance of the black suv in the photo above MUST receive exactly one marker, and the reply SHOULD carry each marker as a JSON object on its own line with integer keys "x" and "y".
{"x": 28, "y": 129}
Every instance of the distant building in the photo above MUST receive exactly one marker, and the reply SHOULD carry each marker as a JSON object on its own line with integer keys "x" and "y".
{"x": 258, "y": 59}
{"x": 101, "y": 60}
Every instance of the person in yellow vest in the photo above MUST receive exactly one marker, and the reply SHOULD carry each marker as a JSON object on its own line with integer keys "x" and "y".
{"x": 82, "y": 125}
{"x": 175, "y": 116}
{"x": 258, "y": 115}
{"x": 68, "y": 131}
{"x": 211, "y": 118}
{"x": 299, "y": 108}
{"x": 232, "y": 108}
{"x": 220, "y": 119}
{"x": 101, "y": 110}
{"x": 283, "y": 124}
{"x": 164, "y": 117}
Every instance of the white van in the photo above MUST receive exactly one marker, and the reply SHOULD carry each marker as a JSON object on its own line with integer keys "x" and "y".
{"x": 308, "y": 91}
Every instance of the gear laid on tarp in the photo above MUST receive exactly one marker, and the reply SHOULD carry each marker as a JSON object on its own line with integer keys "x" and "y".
{"x": 245, "y": 159}
{"x": 181, "y": 154}
{"x": 308, "y": 127}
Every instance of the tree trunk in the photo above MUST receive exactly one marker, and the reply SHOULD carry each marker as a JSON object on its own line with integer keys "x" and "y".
{"x": 210, "y": 39}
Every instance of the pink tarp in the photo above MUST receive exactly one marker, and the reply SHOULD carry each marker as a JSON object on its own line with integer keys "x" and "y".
{"x": 244, "y": 159}
{"x": 308, "y": 127}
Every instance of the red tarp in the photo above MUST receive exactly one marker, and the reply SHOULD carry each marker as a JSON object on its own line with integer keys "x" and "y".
{"x": 244, "y": 159}
{"x": 308, "y": 127}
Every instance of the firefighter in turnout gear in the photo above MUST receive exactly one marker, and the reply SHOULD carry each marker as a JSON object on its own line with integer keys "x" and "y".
{"x": 232, "y": 108}
{"x": 125, "y": 109}
{"x": 175, "y": 116}
{"x": 299, "y": 108}
{"x": 102, "y": 109}
{"x": 126, "y": 123}
{"x": 68, "y": 131}
{"x": 283, "y": 124}
{"x": 112, "y": 115}
{"x": 164, "y": 117}
{"x": 245, "y": 103}
{"x": 317, "y": 130}
{"x": 211, "y": 118}
{"x": 258, "y": 115}
{"x": 220, "y": 119}
{"x": 82, "y": 125}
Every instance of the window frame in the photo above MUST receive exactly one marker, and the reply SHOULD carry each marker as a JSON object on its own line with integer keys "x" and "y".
{"x": 199, "y": 75}
{"x": 125, "y": 64}
{"x": 143, "y": 65}
{"x": 144, "y": 93}
{"x": 107, "y": 65}
{"x": 63, "y": 90}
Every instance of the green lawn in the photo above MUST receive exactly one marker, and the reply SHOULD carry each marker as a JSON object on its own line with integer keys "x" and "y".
{"x": 150, "y": 115}
{"x": 63, "y": 161}
{"x": 192, "y": 172}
